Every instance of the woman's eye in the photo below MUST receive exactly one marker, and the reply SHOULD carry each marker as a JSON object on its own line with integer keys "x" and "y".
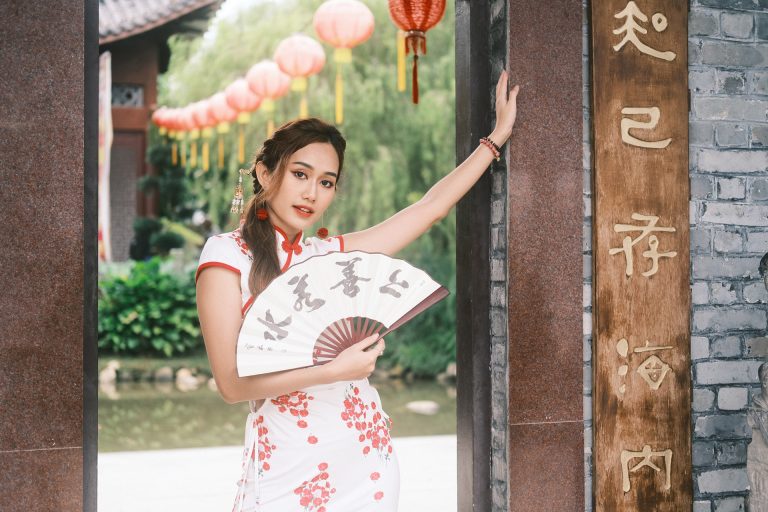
{"x": 297, "y": 173}
{"x": 327, "y": 184}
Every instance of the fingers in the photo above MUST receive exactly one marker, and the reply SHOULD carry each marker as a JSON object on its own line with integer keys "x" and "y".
{"x": 367, "y": 342}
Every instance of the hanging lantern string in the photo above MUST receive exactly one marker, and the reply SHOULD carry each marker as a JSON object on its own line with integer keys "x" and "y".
{"x": 415, "y": 41}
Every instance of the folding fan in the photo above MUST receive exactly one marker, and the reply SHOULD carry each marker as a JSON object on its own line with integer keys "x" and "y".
{"x": 321, "y": 306}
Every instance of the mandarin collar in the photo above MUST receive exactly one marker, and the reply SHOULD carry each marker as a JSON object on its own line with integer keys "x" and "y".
{"x": 285, "y": 244}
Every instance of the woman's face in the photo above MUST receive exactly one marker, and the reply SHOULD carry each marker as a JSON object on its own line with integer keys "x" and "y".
{"x": 307, "y": 188}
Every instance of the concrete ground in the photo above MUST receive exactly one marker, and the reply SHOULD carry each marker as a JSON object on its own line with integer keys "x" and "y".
{"x": 205, "y": 479}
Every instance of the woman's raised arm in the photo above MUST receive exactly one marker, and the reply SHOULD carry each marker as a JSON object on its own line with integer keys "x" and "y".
{"x": 405, "y": 226}
{"x": 218, "y": 307}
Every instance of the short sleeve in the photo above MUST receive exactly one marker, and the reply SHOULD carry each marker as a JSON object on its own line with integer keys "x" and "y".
{"x": 219, "y": 251}
{"x": 325, "y": 245}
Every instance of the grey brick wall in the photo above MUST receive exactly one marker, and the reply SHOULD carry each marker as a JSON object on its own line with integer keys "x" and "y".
{"x": 498, "y": 28}
{"x": 587, "y": 248}
{"x": 728, "y": 79}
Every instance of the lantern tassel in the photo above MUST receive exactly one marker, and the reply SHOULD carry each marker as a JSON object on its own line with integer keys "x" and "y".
{"x": 174, "y": 154}
{"x": 206, "y": 163}
{"x": 303, "y": 108}
{"x": 240, "y": 145}
{"x": 183, "y": 153}
{"x": 221, "y": 152}
{"x": 270, "y": 127}
{"x": 339, "y": 96}
{"x": 400, "y": 60}
{"x": 193, "y": 156}
{"x": 415, "y": 82}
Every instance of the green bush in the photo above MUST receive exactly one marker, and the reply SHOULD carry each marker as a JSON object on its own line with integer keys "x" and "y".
{"x": 148, "y": 312}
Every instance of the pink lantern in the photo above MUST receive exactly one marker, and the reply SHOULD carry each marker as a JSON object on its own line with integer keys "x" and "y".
{"x": 267, "y": 81}
{"x": 300, "y": 57}
{"x": 223, "y": 114}
{"x": 242, "y": 99}
{"x": 343, "y": 24}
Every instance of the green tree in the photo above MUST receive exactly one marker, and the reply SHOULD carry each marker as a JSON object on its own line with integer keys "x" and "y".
{"x": 395, "y": 150}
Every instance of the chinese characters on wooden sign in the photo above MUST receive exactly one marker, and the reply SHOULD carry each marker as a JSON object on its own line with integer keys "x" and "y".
{"x": 641, "y": 392}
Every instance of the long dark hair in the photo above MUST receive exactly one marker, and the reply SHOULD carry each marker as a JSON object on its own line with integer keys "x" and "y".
{"x": 274, "y": 154}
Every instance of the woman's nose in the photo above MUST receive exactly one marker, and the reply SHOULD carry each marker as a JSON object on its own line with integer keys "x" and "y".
{"x": 309, "y": 192}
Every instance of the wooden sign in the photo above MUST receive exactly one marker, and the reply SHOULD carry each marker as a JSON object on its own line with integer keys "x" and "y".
{"x": 642, "y": 388}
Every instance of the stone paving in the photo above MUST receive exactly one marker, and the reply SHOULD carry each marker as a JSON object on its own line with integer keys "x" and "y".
{"x": 205, "y": 479}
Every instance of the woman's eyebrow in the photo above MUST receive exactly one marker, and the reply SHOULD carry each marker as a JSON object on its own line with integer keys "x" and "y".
{"x": 312, "y": 169}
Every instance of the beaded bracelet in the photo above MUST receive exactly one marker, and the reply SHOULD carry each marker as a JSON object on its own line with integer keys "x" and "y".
{"x": 498, "y": 149}
{"x": 490, "y": 145}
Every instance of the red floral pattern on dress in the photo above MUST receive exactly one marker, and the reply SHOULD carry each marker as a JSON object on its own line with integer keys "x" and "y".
{"x": 238, "y": 238}
{"x": 265, "y": 447}
{"x": 295, "y": 403}
{"x": 373, "y": 428}
{"x": 314, "y": 494}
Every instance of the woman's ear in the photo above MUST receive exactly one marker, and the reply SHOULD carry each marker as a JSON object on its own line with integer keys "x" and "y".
{"x": 262, "y": 174}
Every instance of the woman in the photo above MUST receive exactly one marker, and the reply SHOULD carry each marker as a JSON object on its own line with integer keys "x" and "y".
{"x": 316, "y": 438}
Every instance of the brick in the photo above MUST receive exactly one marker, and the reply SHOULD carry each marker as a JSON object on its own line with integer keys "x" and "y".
{"x": 723, "y": 480}
{"x": 758, "y": 136}
{"x": 497, "y": 270}
{"x": 498, "y": 296}
{"x": 587, "y": 267}
{"x": 700, "y": 292}
{"x": 703, "y": 453}
{"x": 732, "y": 399}
{"x": 728, "y": 346}
{"x": 703, "y": 399}
{"x": 758, "y": 190}
{"x": 733, "y": 504}
{"x": 728, "y": 241}
{"x": 693, "y": 213}
{"x": 702, "y": 81}
{"x": 702, "y": 506}
{"x": 756, "y": 347}
{"x": 730, "y": 4}
{"x": 735, "y": 214}
{"x": 498, "y": 183}
{"x": 694, "y": 52}
{"x": 722, "y": 426}
{"x": 497, "y": 211}
{"x": 498, "y": 240}
{"x": 586, "y": 237}
{"x": 587, "y": 323}
{"x": 732, "y": 54}
{"x": 758, "y": 82}
{"x": 732, "y": 161}
{"x": 587, "y": 207}
{"x": 701, "y": 240}
{"x": 761, "y": 26}
{"x": 721, "y": 320}
{"x": 586, "y": 295}
{"x": 727, "y": 372}
{"x": 730, "y": 135}
{"x": 737, "y": 25}
{"x": 708, "y": 267}
{"x": 734, "y": 109}
{"x": 702, "y": 187}
{"x": 731, "y": 82}
{"x": 699, "y": 347}
{"x": 729, "y": 453}
{"x": 757, "y": 241}
{"x": 700, "y": 133}
{"x": 586, "y": 349}
{"x": 755, "y": 293}
{"x": 498, "y": 323}
{"x": 703, "y": 23}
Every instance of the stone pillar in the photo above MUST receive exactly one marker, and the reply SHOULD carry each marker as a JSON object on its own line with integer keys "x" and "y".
{"x": 545, "y": 217}
{"x": 42, "y": 310}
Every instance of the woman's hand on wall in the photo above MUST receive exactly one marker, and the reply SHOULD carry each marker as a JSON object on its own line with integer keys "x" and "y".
{"x": 506, "y": 110}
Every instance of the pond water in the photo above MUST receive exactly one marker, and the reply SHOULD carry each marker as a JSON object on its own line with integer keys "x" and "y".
{"x": 157, "y": 416}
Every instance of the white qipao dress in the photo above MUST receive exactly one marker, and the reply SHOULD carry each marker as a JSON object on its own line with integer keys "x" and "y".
{"x": 323, "y": 448}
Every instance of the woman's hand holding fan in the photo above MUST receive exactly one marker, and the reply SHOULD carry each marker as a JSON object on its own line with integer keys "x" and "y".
{"x": 358, "y": 361}
{"x": 319, "y": 308}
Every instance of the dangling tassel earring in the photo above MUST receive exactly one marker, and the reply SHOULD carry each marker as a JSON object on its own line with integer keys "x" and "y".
{"x": 237, "y": 200}
{"x": 261, "y": 214}
{"x": 322, "y": 232}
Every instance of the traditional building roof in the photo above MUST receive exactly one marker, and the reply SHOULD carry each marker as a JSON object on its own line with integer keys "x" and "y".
{"x": 120, "y": 19}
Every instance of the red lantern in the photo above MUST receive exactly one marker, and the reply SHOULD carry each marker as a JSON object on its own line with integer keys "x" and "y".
{"x": 300, "y": 57}
{"x": 343, "y": 24}
{"x": 267, "y": 81}
{"x": 415, "y": 17}
{"x": 241, "y": 98}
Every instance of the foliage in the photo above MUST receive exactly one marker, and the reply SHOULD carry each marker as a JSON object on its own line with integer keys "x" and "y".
{"x": 395, "y": 150}
{"x": 148, "y": 312}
